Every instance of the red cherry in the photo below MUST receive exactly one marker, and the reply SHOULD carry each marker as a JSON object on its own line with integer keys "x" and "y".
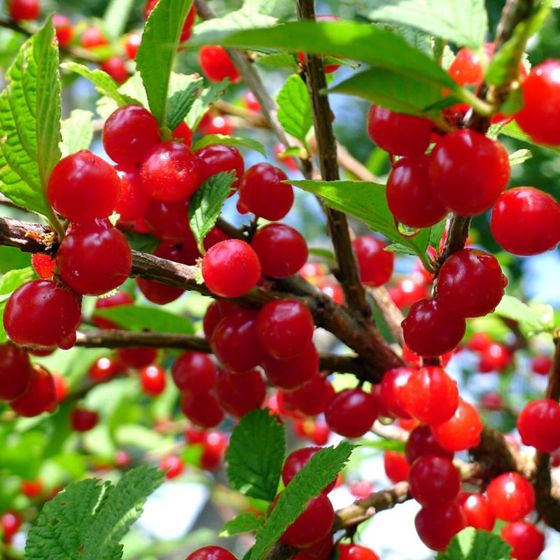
{"x": 491, "y": 401}
{"x": 103, "y": 369}
{"x": 32, "y": 488}
{"x": 184, "y": 134}
{"x": 281, "y": 249}
{"x": 137, "y": 357}
{"x": 479, "y": 341}
{"x": 471, "y": 283}
{"x": 20, "y": 10}
{"x": 494, "y": 358}
{"x": 462, "y": 431}
{"x": 525, "y": 539}
{"x": 351, "y": 413}
{"x": 296, "y": 460}
{"x": 43, "y": 265}
{"x": 511, "y": 496}
{"x": 430, "y": 330}
{"x": 116, "y": 68}
{"x": 153, "y": 380}
{"x": 437, "y": 525}
{"x": 216, "y": 311}
{"x": 421, "y": 442}
{"x": 391, "y": 391}
{"x": 231, "y": 268}
{"x": 83, "y": 420}
{"x": 172, "y": 466}
{"x": 92, "y": 38}
{"x": 537, "y": 119}
{"x": 376, "y": 264}
{"x": 133, "y": 202}
{"x": 64, "y": 29}
{"x": 399, "y": 134}
{"x": 41, "y": 314}
{"x": 10, "y": 524}
{"x": 238, "y": 394}
{"x": 168, "y": 220}
{"x": 541, "y": 364}
{"x": 292, "y": 373}
{"x": 219, "y": 158}
{"x": 539, "y": 425}
{"x": 15, "y": 372}
{"x": 396, "y": 466}
{"x": 477, "y": 511}
{"x": 94, "y": 259}
{"x": 313, "y": 525}
{"x": 251, "y": 102}
{"x": 319, "y": 551}
{"x": 202, "y": 409}
{"x": 194, "y": 372}
{"x": 129, "y": 134}
{"x": 264, "y": 194}
{"x": 83, "y": 187}
{"x": 526, "y": 221}
{"x": 213, "y": 450}
{"x": 434, "y": 480}
{"x": 430, "y": 395}
{"x": 469, "y": 171}
{"x": 211, "y": 553}
{"x": 116, "y": 300}
{"x": 311, "y": 398}
{"x": 216, "y": 124}
{"x": 170, "y": 172}
{"x": 410, "y": 193}
{"x": 132, "y": 44}
{"x": 466, "y": 68}
{"x": 355, "y": 552}
{"x": 217, "y": 65}
{"x": 284, "y": 159}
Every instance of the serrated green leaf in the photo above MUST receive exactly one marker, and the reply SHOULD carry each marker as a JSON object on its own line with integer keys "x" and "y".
{"x": 473, "y": 544}
{"x": 236, "y": 141}
{"x": 400, "y": 249}
{"x": 209, "y": 95}
{"x": 294, "y": 108}
{"x": 308, "y": 483}
{"x": 183, "y": 91}
{"x": 30, "y": 122}
{"x": 520, "y": 156}
{"x": 157, "y": 52}
{"x": 534, "y": 318}
{"x": 147, "y": 318}
{"x": 116, "y": 17}
{"x": 367, "y": 202}
{"x": 103, "y": 83}
{"x": 77, "y": 132}
{"x": 255, "y": 455}
{"x": 457, "y": 21}
{"x": 206, "y": 204}
{"x": 242, "y": 523}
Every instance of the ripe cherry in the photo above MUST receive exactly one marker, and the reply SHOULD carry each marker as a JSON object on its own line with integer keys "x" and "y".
{"x": 437, "y": 525}
{"x": 153, "y": 380}
{"x": 116, "y": 68}
{"x": 292, "y": 373}
{"x": 32, "y": 488}
{"x": 194, "y": 372}
{"x": 15, "y": 371}
{"x": 355, "y": 552}
{"x": 537, "y": 119}
{"x": 238, "y": 394}
{"x": 94, "y": 258}
{"x": 410, "y": 193}
{"x": 184, "y": 134}
{"x": 468, "y": 171}
{"x": 39, "y": 396}
{"x": 391, "y": 391}
{"x": 281, "y": 249}
{"x": 466, "y": 69}
{"x": 170, "y": 172}
{"x": 172, "y": 466}
{"x": 132, "y": 44}
{"x": 215, "y": 124}
{"x": 319, "y": 551}
{"x": 263, "y": 192}
{"x": 231, "y": 268}
{"x": 539, "y": 425}
{"x": 374, "y": 262}
{"x": 211, "y": 553}
{"x": 396, "y": 466}
{"x": 216, "y": 311}
{"x": 511, "y": 496}
{"x": 351, "y": 413}
{"x": 296, "y": 460}
{"x": 434, "y": 480}
{"x": 421, "y": 442}
{"x": 168, "y": 220}
{"x": 526, "y": 221}
{"x": 462, "y": 431}
{"x": 103, "y": 369}
{"x": 219, "y": 158}
{"x": 217, "y": 65}
{"x": 133, "y": 201}
{"x": 541, "y": 364}
{"x": 83, "y": 420}
{"x": 525, "y": 539}
{"x": 430, "y": 395}
{"x": 399, "y": 134}
{"x": 92, "y": 38}
{"x": 43, "y": 265}
{"x": 70, "y": 190}
{"x": 477, "y": 511}
{"x": 21, "y": 10}
{"x": 313, "y": 525}
{"x": 42, "y": 314}
{"x": 129, "y": 134}
{"x": 64, "y": 29}
{"x": 496, "y": 357}
{"x": 311, "y": 398}
{"x": 10, "y": 524}
{"x": 137, "y": 357}
{"x": 430, "y": 330}
{"x": 214, "y": 445}
{"x": 251, "y": 102}
{"x": 202, "y": 409}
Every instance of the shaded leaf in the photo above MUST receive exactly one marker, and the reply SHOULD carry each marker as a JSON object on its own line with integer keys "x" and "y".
{"x": 77, "y": 132}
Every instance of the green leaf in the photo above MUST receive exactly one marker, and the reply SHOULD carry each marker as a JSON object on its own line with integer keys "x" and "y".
{"x": 534, "y": 318}
{"x": 209, "y": 95}
{"x": 436, "y": 233}
{"x": 143, "y": 242}
{"x": 13, "y": 279}
{"x": 242, "y": 523}
{"x": 473, "y": 544}
{"x": 294, "y": 108}
{"x": 156, "y": 55}
{"x": 206, "y": 204}
{"x": 183, "y": 91}
{"x": 277, "y": 8}
{"x": 11, "y": 258}
{"x": 116, "y": 17}
{"x": 237, "y": 20}
{"x": 30, "y": 122}
{"x": 367, "y": 202}
{"x": 513, "y": 131}
{"x": 77, "y": 132}
{"x": 103, "y": 83}
{"x": 520, "y": 156}
{"x": 278, "y": 60}
{"x": 147, "y": 318}
{"x": 384, "y": 445}
{"x": 308, "y": 483}
{"x": 255, "y": 455}
{"x": 457, "y": 21}
{"x": 236, "y": 141}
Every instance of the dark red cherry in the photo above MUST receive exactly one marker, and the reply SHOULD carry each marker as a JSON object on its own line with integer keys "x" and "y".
{"x": 168, "y": 220}
{"x": 437, "y": 525}
{"x": 374, "y": 262}
{"x": 216, "y": 311}
{"x": 351, "y": 413}
{"x": 211, "y": 553}
{"x": 292, "y": 373}
{"x": 83, "y": 420}
{"x": 296, "y": 460}
{"x": 219, "y": 158}
{"x": 38, "y": 397}
{"x": 312, "y": 397}
{"x": 422, "y": 442}
{"x": 194, "y": 372}
{"x": 137, "y": 357}
{"x": 434, "y": 480}
{"x": 239, "y": 393}
{"x": 203, "y": 409}
{"x": 15, "y": 371}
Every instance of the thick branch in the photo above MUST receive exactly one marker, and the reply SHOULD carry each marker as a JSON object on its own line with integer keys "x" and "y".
{"x": 493, "y": 455}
